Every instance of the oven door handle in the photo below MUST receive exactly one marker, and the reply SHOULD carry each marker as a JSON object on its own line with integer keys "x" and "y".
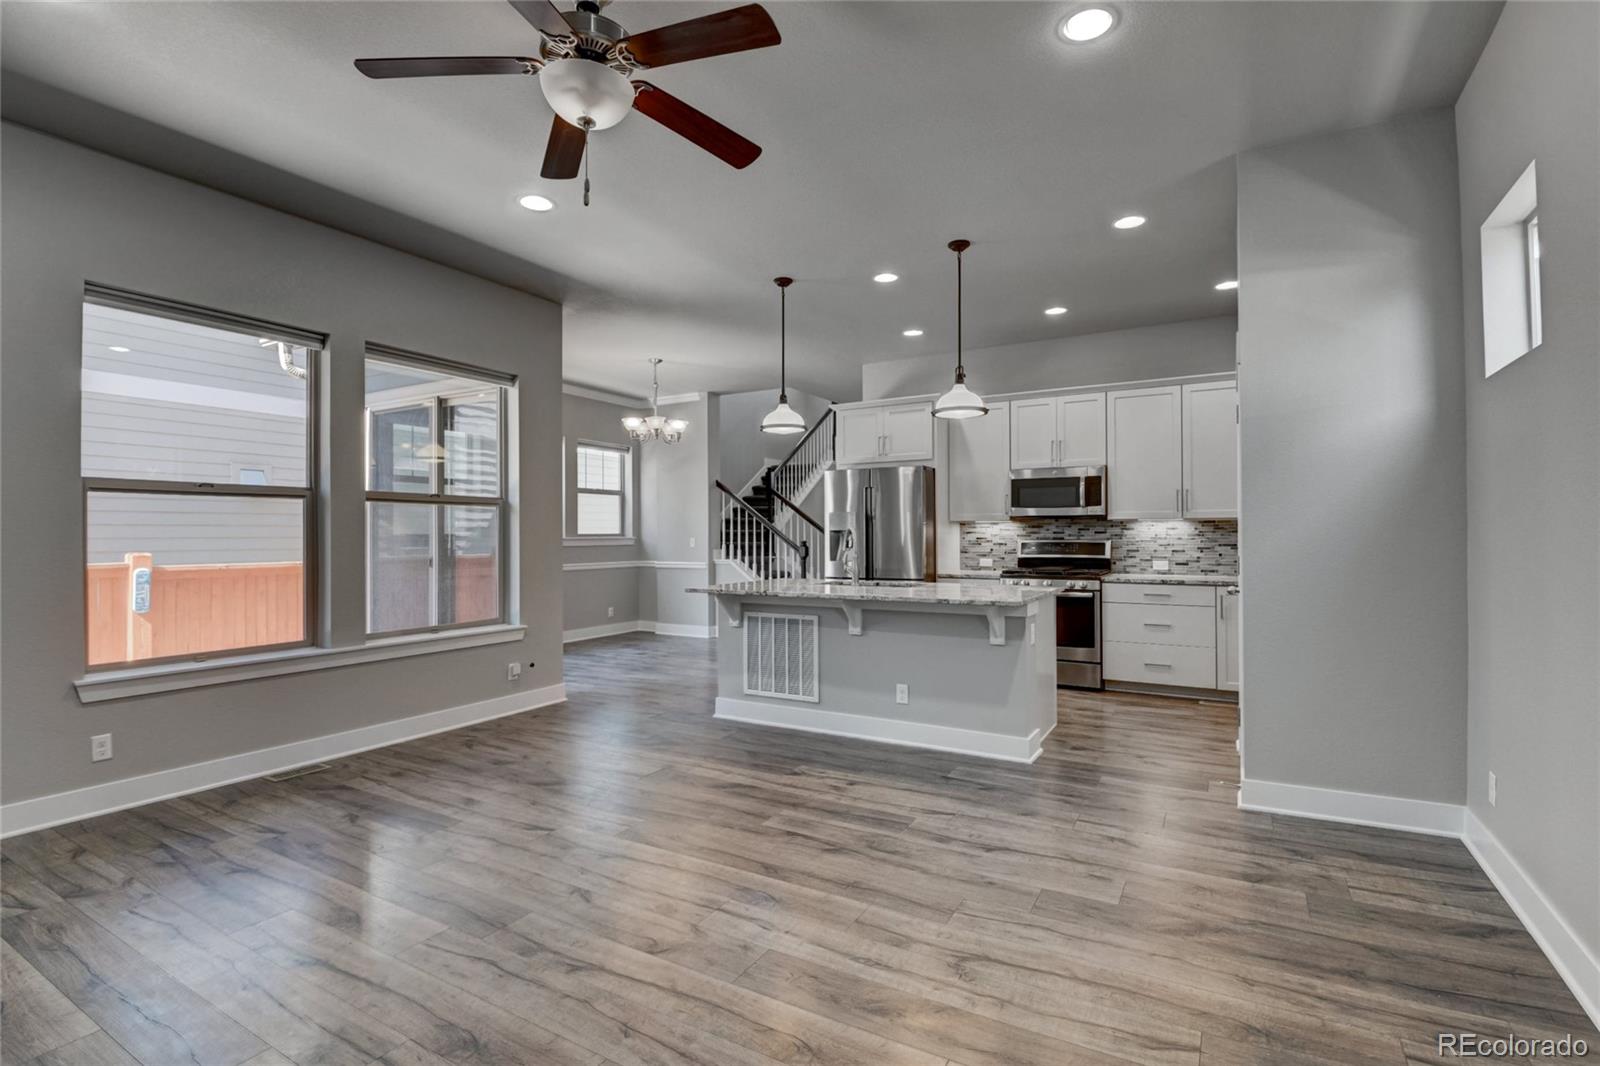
{"x": 1076, "y": 595}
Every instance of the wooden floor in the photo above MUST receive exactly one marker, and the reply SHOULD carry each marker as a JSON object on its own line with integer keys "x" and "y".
{"x": 623, "y": 880}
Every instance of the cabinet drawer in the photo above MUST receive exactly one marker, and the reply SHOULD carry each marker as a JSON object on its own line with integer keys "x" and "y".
{"x": 1161, "y": 623}
{"x": 1186, "y": 595}
{"x": 1160, "y": 664}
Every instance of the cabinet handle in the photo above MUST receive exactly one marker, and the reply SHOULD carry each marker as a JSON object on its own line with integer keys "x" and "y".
{"x": 1177, "y": 500}
{"x": 1158, "y": 595}
{"x": 1158, "y": 625}
{"x": 1159, "y": 666}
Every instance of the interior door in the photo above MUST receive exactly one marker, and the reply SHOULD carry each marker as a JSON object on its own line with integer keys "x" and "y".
{"x": 860, "y": 432}
{"x": 979, "y": 479}
{"x": 1211, "y": 450}
{"x": 1144, "y": 457}
{"x": 908, "y": 431}
{"x": 1082, "y": 423}
{"x": 1033, "y": 433}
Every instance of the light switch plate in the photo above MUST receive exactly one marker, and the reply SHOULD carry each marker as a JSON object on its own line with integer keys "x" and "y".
{"x": 1161, "y": 566}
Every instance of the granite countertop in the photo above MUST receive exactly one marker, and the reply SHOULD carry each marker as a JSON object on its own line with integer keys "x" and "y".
{"x": 953, "y": 593}
{"x": 1170, "y": 578}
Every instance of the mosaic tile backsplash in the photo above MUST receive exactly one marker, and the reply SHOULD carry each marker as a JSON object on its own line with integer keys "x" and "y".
{"x": 1193, "y": 547}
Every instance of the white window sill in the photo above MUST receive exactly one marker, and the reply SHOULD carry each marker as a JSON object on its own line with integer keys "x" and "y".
{"x": 170, "y": 677}
{"x": 596, "y": 542}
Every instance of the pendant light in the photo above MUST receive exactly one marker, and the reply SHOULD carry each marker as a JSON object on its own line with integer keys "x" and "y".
{"x": 783, "y": 419}
{"x": 652, "y": 426}
{"x": 960, "y": 401}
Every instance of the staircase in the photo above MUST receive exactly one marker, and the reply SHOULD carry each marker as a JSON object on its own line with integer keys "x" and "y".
{"x": 763, "y": 526}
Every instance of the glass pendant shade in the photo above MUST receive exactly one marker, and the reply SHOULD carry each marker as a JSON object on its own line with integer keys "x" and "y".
{"x": 959, "y": 402}
{"x": 582, "y": 89}
{"x": 783, "y": 419}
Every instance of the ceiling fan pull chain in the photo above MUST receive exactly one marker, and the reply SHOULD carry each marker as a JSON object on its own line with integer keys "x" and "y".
{"x": 586, "y": 127}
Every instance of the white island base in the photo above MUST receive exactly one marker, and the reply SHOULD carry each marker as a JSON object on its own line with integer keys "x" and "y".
{"x": 977, "y": 660}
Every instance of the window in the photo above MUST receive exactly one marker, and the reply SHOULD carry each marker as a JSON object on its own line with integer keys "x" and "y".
{"x": 437, "y": 514}
{"x": 197, "y": 460}
{"x": 1510, "y": 246}
{"x": 601, "y": 509}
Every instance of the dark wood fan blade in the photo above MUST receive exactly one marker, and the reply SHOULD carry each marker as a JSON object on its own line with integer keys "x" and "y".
{"x": 737, "y": 30}
{"x": 564, "y": 151}
{"x": 695, "y": 125}
{"x": 543, "y": 16}
{"x": 440, "y": 66}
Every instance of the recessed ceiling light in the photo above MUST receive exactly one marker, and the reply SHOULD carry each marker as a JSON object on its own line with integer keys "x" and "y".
{"x": 1055, "y": 310}
{"x": 534, "y": 202}
{"x": 1129, "y": 222}
{"x": 118, "y": 348}
{"x": 1225, "y": 286}
{"x": 1088, "y": 23}
{"x": 885, "y": 277}
{"x": 911, "y": 333}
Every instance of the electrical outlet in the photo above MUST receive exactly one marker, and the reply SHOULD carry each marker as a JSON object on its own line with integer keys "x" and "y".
{"x": 1492, "y": 783}
{"x": 1161, "y": 566}
{"x": 691, "y": 542}
{"x": 902, "y": 694}
{"x": 513, "y": 671}
{"x": 100, "y": 747}
{"x": 986, "y": 562}
{"x": 611, "y": 612}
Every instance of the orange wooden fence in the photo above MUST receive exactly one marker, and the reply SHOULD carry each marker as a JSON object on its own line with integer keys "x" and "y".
{"x": 201, "y": 609}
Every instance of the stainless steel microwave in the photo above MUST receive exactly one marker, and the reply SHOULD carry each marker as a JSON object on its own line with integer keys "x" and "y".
{"x": 1061, "y": 490}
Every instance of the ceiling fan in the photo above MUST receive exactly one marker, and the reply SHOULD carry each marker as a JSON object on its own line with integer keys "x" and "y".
{"x": 585, "y": 64}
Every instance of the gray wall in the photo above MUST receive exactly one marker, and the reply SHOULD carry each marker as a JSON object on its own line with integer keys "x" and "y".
{"x": 1533, "y": 449}
{"x": 71, "y": 215}
{"x": 1201, "y": 346}
{"x": 1353, "y": 546}
{"x": 678, "y": 504}
{"x": 586, "y": 594}
{"x": 742, "y": 447}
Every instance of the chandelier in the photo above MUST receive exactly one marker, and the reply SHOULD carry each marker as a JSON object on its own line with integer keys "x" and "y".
{"x": 652, "y": 426}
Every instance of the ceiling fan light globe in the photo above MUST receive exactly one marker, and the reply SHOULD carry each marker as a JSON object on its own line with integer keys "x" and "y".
{"x": 582, "y": 89}
{"x": 783, "y": 420}
{"x": 959, "y": 402}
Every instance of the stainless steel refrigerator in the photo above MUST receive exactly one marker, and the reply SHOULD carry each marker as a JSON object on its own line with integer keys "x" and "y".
{"x": 880, "y": 524}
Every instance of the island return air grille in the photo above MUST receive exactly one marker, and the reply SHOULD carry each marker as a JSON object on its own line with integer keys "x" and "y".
{"x": 780, "y": 656}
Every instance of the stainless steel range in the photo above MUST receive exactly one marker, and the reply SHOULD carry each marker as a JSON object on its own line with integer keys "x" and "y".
{"x": 1073, "y": 568}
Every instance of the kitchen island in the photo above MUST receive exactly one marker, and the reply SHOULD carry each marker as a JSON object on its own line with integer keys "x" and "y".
{"x": 976, "y": 659}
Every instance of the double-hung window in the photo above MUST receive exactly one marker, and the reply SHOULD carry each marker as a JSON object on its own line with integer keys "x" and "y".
{"x": 601, "y": 477}
{"x": 437, "y": 513}
{"x": 198, "y": 457}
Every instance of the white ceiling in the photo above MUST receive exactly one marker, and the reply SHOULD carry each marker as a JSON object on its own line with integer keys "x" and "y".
{"x": 888, "y": 129}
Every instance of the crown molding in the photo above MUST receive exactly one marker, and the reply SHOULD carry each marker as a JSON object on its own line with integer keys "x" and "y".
{"x": 589, "y": 393}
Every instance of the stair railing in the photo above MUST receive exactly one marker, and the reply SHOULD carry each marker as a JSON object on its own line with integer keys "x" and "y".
{"x": 755, "y": 543}
{"x": 797, "y": 525}
{"x": 802, "y": 468}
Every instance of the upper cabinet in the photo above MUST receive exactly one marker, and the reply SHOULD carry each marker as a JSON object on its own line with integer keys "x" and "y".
{"x": 979, "y": 489}
{"x": 1211, "y": 450}
{"x": 1144, "y": 433}
{"x": 896, "y": 432}
{"x": 1056, "y": 431}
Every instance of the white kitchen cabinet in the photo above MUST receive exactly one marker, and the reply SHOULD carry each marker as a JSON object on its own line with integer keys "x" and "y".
{"x": 1161, "y": 634}
{"x": 1228, "y": 664}
{"x": 908, "y": 432}
{"x": 1144, "y": 437}
{"x": 1053, "y": 431}
{"x": 860, "y": 438}
{"x": 1211, "y": 450}
{"x": 898, "y": 432}
{"x": 978, "y": 478}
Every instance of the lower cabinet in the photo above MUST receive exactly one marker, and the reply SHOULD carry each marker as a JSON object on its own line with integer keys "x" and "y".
{"x": 1160, "y": 634}
{"x": 1228, "y": 671}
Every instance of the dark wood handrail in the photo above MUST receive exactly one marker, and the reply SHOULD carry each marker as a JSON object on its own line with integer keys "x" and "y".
{"x": 802, "y": 549}
{"x": 826, "y": 419}
{"x": 781, "y": 498}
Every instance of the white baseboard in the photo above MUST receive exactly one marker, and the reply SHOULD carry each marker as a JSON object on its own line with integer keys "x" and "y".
{"x": 610, "y": 629}
{"x": 808, "y": 719}
{"x": 1356, "y": 808}
{"x": 1573, "y": 960}
{"x": 678, "y": 629}
{"x": 42, "y": 812}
